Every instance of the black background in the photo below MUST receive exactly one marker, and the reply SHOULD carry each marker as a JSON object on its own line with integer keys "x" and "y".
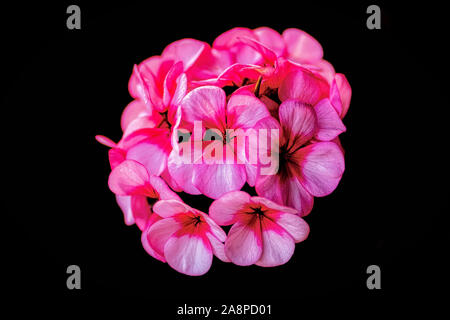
{"x": 62, "y": 87}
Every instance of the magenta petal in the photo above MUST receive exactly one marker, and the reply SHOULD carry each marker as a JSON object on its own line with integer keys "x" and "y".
{"x": 229, "y": 38}
{"x": 244, "y": 244}
{"x": 214, "y": 180}
{"x": 141, "y": 210}
{"x": 223, "y": 210}
{"x": 163, "y": 190}
{"x": 329, "y": 123}
{"x": 105, "y": 141}
{"x": 301, "y": 46}
{"x": 128, "y": 178}
{"x": 294, "y": 225}
{"x": 321, "y": 165}
{"x": 189, "y": 254}
{"x": 278, "y": 245}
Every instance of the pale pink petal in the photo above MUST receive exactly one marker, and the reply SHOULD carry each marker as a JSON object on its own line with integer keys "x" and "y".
{"x": 189, "y": 254}
{"x": 278, "y": 245}
{"x": 205, "y": 104}
{"x": 218, "y": 248}
{"x": 303, "y": 85}
{"x": 298, "y": 121}
{"x": 223, "y": 210}
{"x": 244, "y": 244}
{"x": 321, "y": 167}
{"x": 214, "y": 180}
{"x": 169, "y": 208}
{"x": 294, "y": 225}
{"x": 159, "y": 233}
{"x": 128, "y": 178}
{"x": 328, "y": 121}
{"x": 345, "y": 92}
{"x": 301, "y": 46}
{"x": 170, "y": 83}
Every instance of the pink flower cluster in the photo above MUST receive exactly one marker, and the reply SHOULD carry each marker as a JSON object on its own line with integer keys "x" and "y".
{"x": 251, "y": 80}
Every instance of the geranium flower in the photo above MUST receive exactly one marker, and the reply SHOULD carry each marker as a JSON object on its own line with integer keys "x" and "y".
{"x": 307, "y": 168}
{"x": 186, "y": 237}
{"x": 263, "y": 232}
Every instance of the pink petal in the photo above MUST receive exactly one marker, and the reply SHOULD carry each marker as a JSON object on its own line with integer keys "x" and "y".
{"x": 170, "y": 83}
{"x": 271, "y": 39}
{"x": 205, "y": 104}
{"x": 218, "y": 248}
{"x": 329, "y": 123}
{"x": 303, "y": 85}
{"x": 185, "y": 50}
{"x": 133, "y": 110}
{"x": 297, "y": 228}
{"x": 105, "y": 141}
{"x": 301, "y": 46}
{"x": 278, "y": 245}
{"x": 214, "y": 180}
{"x": 182, "y": 173}
{"x": 223, "y": 210}
{"x": 321, "y": 167}
{"x": 244, "y": 110}
{"x": 141, "y": 210}
{"x": 169, "y": 208}
{"x": 159, "y": 233}
{"x": 163, "y": 190}
{"x": 345, "y": 92}
{"x": 244, "y": 244}
{"x": 189, "y": 254}
{"x": 229, "y": 38}
{"x": 116, "y": 156}
{"x": 273, "y": 205}
{"x": 147, "y": 247}
{"x": 288, "y": 192}
{"x": 298, "y": 121}
{"x": 125, "y": 204}
{"x": 152, "y": 154}
{"x": 215, "y": 230}
{"x": 128, "y": 178}
{"x": 269, "y": 57}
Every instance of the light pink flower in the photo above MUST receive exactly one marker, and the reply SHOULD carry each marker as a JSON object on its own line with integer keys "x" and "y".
{"x": 263, "y": 232}
{"x": 186, "y": 237}
{"x": 208, "y": 105}
{"x": 307, "y": 168}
